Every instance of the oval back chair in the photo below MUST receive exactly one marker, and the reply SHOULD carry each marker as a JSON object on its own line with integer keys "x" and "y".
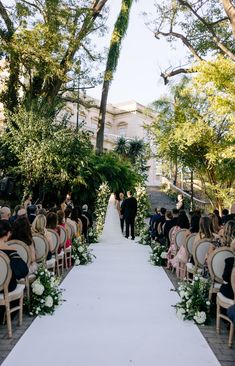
{"x": 5, "y": 271}
{"x": 63, "y": 237}
{"x": 189, "y": 244}
{"x": 216, "y": 263}
{"x": 69, "y": 229}
{"x": 180, "y": 237}
{"x": 200, "y": 251}
{"x": 41, "y": 247}
{"x": 233, "y": 281}
{"x": 22, "y": 249}
{"x": 170, "y": 233}
{"x": 55, "y": 240}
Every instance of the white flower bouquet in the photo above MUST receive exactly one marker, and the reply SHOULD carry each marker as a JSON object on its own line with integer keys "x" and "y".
{"x": 46, "y": 294}
{"x": 194, "y": 303}
{"x": 145, "y": 236}
{"x": 81, "y": 252}
{"x": 159, "y": 255}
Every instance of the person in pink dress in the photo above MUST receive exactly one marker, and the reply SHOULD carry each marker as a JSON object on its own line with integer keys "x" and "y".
{"x": 61, "y": 222}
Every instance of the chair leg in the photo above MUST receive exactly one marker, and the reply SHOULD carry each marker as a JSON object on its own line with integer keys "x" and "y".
{"x": 8, "y": 317}
{"x": 21, "y": 311}
{"x": 230, "y": 339}
{"x": 218, "y": 318}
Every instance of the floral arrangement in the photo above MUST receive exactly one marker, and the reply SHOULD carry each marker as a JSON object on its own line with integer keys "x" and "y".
{"x": 101, "y": 206}
{"x": 159, "y": 255}
{"x": 194, "y": 303}
{"x": 81, "y": 252}
{"x": 46, "y": 294}
{"x": 145, "y": 236}
{"x": 142, "y": 208}
{"x": 92, "y": 235}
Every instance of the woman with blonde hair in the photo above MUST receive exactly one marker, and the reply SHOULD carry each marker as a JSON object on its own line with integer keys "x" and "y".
{"x": 228, "y": 233}
{"x": 39, "y": 227}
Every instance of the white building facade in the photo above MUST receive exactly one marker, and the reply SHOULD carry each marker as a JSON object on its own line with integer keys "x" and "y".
{"x": 125, "y": 119}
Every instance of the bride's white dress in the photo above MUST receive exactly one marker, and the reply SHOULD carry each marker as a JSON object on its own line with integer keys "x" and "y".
{"x": 112, "y": 229}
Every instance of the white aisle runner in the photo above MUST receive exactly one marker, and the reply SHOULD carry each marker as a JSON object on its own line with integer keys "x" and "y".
{"x": 118, "y": 313}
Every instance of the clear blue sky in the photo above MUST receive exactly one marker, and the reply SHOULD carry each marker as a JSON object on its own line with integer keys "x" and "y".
{"x": 142, "y": 58}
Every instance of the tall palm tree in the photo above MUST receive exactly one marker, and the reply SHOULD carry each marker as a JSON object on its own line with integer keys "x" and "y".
{"x": 135, "y": 150}
{"x": 119, "y": 32}
{"x": 122, "y": 147}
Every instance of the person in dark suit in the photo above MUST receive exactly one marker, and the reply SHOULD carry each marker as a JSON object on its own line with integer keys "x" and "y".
{"x": 129, "y": 211}
{"x": 170, "y": 223}
{"x": 121, "y": 200}
{"x": 226, "y": 288}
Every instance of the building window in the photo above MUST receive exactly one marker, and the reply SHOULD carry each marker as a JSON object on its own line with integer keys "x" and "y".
{"x": 122, "y": 131}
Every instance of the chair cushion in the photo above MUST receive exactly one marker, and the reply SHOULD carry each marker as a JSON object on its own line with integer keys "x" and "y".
{"x": 224, "y": 299}
{"x": 16, "y": 294}
{"x": 61, "y": 254}
{"x": 50, "y": 263}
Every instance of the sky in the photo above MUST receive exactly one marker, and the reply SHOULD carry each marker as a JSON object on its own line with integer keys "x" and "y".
{"x": 142, "y": 58}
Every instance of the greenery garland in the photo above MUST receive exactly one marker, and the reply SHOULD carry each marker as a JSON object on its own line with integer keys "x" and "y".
{"x": 158, "y": 256}
{"x": 101, "y": 206}
{"x": 142, "y": 209}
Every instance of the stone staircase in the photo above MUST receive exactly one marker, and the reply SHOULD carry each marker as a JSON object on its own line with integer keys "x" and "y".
{"x": 159, "y": 199}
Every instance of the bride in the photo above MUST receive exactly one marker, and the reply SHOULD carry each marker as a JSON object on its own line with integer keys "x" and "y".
{"x": 112, "y": 228}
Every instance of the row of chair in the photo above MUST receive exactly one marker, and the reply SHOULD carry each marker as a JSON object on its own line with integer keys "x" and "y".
{"x": 55, "y": 264}
{"x": 216, "y": 265}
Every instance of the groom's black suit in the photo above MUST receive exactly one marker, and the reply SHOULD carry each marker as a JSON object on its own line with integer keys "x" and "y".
{"x": 129, "y": 210}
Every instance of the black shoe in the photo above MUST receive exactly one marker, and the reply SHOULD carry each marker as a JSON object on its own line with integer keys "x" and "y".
{"x": 126, "y": 237}
{"x": 132, "y": 238}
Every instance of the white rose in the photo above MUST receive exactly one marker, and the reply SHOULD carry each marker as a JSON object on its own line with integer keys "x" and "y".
{"x": 196, "y": 278}
{"x": 182, "y": 294}
{"x": 48, "y": 301}
{"x": 81, "y": 249}
{"x": 200, "y": 317}
{"x": 38, "y": 288}
{"x": 77, "y": 262}
{"x": 208, "y": 303}
{"x": 164, "y": 255}
{"x": 180, "y": 313}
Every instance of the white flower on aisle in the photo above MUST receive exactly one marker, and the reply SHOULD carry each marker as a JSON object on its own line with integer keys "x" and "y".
{"x": 180, "y": 313}
{"x": 200, "y": 317}
{"x": 164, "y": 255}
{"x": 81, "y": 249}
{"x": 49, "y": 301}
{"x": 37, "y": 288}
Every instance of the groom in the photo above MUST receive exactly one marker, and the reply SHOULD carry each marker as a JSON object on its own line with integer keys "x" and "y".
{"x": 129, "y": 210}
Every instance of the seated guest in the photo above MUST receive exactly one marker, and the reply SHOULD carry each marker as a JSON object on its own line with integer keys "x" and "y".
{"x": 152, "y": 222}
{"x": 5, "y": 213}
{"x": 67, "y": 216}
{"x": 160, "y": 221}
{"x": 216, "y": 212}
{"x": 228, "y": 233}
{"x": 215, "y": 223}
{"x": 169, "y": 224}
{"x": 231, "y": 313}
{"x": 22, "y": 212}
{"x": 39, "y": 227}
{"x": 225, "y": 213}
{"x": 15, "y": 213}
{"x": 88, "y": 215}
{"x": 226, "y": 288}
{"x": 61, "y": 222}
{"x": 74, "y": 217}
{"x": 21, "y": 230}
{"x": 194, "y": 226}
{"x": 18, "y": 266}
{"x": 32, "y": 212}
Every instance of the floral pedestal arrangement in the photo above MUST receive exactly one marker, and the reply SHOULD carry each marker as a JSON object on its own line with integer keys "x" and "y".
{"x": 159, "y": 255}
{"x": 46, "y": 294}
{"x": 81, "y": 253}
{"x": 194, "y": 303}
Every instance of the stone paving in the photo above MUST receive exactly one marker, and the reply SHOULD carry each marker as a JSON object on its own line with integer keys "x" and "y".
{"x": 218, "y": 343}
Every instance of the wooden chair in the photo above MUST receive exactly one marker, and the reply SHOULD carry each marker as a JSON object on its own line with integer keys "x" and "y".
{"x": 189, "y": 244}
{"x": 24, "y": 252}
{"x": 180, "y": 237}
{"x": 59, "y": 257}
{"x": 7, "y": 297}
{"x": 42, "y": 248}
{"x": 170, "y": 233}
{"x": 200, "y": 250}
{"x": 216, "y": 264}
{"x": 67, "y": 251}
{"x": 224, "y": 302}
{"x": 70, "y": 230}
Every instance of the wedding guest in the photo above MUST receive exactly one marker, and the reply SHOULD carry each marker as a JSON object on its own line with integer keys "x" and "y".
{"x": 18, "y": 266}
{"x": 27, "y": 200}
{"x": 180, "y": 202}
{"x": 121, "y": 200}
{"x": 21, "y": 230}
{"x": 228, "y": 233}
{"x": 87, "y": 214}
{"x": 74, "y": 217}
{"x": 216, "y": 212}
{"x": 22, "y": 212}
{"x": 194, "y": 225}
{"x": 15, "y": 213}
{"x": 169, "y": 224}
{"x": 215, "y": 223}
{"x": 39, "y": 227}
{"x": 225, "y": 213}
{"x": 5, "y": 213}
{"x": 226, "y": 288}
{"x": 61, "y": 222}
{"x": 67, "y": 216}
{"x": 152, "y": 227}
{"x": 32, "y": 213}
{"x": 129, "y": 211}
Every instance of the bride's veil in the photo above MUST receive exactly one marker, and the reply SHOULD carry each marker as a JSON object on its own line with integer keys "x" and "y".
{"x": 112, "y": 229}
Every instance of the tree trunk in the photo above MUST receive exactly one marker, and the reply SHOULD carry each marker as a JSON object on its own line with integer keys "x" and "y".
{"x": 230, "y": 11}
{"x": 101, "y": 120}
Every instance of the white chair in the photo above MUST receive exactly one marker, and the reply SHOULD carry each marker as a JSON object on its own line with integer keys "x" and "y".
{"x": 7, "y": 297}
{"x": 200, "y": 250}
{"x": 24, "y": 252}
{"x": 189, "y": 244}
{"x": 216, "y": 264}
{"x": 59, "y": 257}
{"x": 42, "y": 248}
{"x": 170, "y": 234}
{"x": 224, "y": 302}
{"x": 70, "y": 230}
{"x": 67, "y": 251}
{"x": 180, "y": 237}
